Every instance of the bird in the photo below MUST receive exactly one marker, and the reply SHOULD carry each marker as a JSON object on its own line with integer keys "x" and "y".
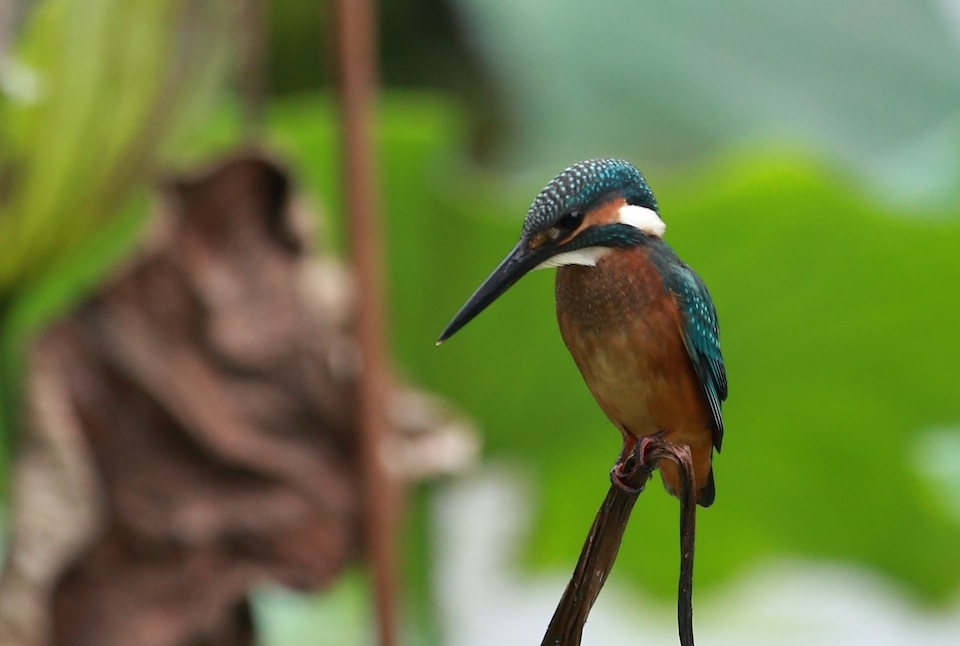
{"x": 639, "y": 323}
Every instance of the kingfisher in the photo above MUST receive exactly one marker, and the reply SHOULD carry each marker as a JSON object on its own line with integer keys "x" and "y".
{"x": 639, "y": 322}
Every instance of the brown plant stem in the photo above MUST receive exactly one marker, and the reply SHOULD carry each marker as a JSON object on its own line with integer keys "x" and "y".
{"x": 688, "y": 518}
{"x": 356, "y": 37}
{"x": 252, "y": 78}
{"x": 603, "y": 543}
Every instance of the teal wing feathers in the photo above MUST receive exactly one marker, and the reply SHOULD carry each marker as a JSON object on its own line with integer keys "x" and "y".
{"x": 701, "y": 336}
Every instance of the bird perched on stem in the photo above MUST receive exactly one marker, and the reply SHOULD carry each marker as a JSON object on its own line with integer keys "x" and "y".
{"x": 639, "y": 323}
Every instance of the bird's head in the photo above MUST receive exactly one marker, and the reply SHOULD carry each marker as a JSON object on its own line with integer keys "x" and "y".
{"x": 583, "y": 213}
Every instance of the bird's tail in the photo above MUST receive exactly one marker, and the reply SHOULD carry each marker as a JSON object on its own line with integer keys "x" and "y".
{"x": 671, "y": 480}
{"x": 709, "y": 492}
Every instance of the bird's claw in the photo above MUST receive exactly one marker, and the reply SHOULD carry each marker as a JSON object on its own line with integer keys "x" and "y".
{"x": 634, "y": 458}
{"x": 619, "y": 474}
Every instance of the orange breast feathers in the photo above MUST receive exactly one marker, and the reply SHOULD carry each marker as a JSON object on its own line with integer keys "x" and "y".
{"x": 623, "y": 330}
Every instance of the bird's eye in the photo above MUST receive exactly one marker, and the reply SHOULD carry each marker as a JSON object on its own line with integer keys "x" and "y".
{"x": 570, "y": 221}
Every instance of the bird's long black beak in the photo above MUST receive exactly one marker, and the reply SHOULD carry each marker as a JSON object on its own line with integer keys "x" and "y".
{"x": 517, "y": 264}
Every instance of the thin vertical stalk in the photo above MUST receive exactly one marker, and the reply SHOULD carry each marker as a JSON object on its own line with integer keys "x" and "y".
{"x": 10, "y": 386}
{"x": 356, "y": 28}
{"x": 252, "y": 81}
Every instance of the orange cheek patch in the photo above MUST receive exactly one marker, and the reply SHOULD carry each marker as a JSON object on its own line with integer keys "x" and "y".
{"x": 606, "y": 213}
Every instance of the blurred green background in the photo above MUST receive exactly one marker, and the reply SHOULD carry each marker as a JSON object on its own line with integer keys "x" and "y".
{"x": 806, "y": 158}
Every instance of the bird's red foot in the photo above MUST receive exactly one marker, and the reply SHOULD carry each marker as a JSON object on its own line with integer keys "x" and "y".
{"x": 622, "y": 471}
{"x": 632, "y": 459}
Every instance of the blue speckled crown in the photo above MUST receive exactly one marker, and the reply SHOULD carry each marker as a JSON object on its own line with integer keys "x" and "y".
{"x": 581, "y": 185}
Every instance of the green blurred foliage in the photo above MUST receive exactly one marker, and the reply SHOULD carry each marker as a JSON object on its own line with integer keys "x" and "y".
{"x": 95, "y": 96}
{"x": 827, "y": 318}
{"x": 838, "y": 315}
{"x": 106, "y": 87}
{"x": 829, "y": 304}
{"x": 830, "y": 253}
{"x": 668, "y": 82}
{"x": 420, "y": 45}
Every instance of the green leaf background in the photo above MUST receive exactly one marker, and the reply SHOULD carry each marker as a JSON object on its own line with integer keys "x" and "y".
{"x": 827, "y": 232}
{"x": 839, "y": 322}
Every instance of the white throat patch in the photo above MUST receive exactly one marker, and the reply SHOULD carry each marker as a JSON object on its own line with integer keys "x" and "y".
{"x": 641, "y": 218}
{"x": 587, "y": 257}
